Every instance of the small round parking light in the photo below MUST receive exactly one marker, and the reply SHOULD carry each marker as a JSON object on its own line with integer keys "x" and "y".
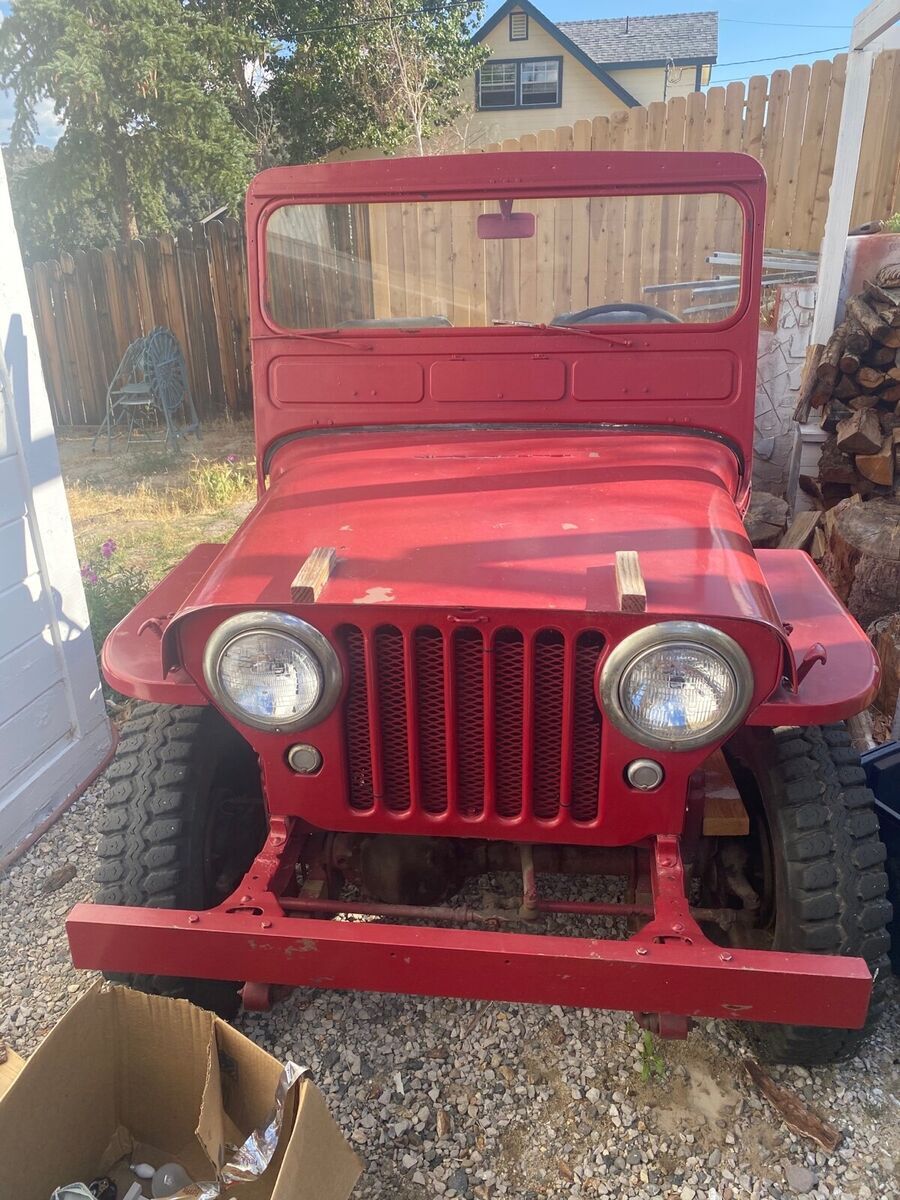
{"x": 644, "y": 774}
{"x": 304, "y": 759}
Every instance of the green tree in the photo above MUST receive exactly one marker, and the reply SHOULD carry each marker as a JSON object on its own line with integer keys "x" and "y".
{"x": 146, "y": 91}
{"x": 381, "y": 74}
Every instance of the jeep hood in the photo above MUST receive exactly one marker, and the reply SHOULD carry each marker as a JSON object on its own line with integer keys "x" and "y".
{"x": 503, "y": 519}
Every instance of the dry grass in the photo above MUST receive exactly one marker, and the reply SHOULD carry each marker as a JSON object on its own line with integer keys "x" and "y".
{"x": 155, "y": 505}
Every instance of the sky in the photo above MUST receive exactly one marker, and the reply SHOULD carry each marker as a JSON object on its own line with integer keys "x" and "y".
{"x": 748, "y": 29}
{"x": 771, "y": 31}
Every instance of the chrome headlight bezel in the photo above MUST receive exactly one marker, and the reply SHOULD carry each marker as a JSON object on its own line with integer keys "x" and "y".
{"x": 289, "y": 627}
{"x": 637, "y": 644}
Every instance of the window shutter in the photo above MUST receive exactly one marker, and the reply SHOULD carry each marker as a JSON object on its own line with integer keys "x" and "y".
{"x": 518, "y": 27}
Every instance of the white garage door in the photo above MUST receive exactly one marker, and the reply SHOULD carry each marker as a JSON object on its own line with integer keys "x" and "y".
{"x": 53, "y": 727}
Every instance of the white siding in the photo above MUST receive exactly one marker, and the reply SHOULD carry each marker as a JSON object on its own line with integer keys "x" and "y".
{"x": 53, "y": 727}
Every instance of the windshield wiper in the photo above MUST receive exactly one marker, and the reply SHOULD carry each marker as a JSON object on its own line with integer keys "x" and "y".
{"x": 584, "y": 330}
{"x": 336, "y": 334}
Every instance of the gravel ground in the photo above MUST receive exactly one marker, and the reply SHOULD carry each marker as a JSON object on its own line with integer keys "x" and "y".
{"x": 457, "y": 1098}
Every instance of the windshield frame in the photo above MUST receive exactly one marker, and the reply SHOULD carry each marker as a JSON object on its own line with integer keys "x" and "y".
{"x": 590, "y": 174}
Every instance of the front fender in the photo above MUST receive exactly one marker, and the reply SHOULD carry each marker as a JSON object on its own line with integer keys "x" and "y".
{"x": 137, "y": 657}
{"x": 846, "y": 682}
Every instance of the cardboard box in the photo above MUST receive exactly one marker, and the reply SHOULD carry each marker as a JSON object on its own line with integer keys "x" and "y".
{"x": 129, "y": 1077}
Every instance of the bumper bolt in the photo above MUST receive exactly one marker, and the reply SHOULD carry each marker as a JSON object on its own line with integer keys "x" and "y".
{"x": 642, "y": 950}
{"x": 726, "y": 957}
{"x": 266, "y": 924}
{"x": 193, "y": 918}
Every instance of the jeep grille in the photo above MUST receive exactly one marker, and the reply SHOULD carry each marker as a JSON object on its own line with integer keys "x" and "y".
{"x": 473, "y": 722}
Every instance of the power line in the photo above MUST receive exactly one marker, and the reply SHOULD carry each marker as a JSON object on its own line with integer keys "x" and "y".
{"x": 744, "y": 62}
{"x": 777, "y": 24}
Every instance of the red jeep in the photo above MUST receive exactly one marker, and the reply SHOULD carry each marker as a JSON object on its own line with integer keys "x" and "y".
{"x": 495, "y": 612}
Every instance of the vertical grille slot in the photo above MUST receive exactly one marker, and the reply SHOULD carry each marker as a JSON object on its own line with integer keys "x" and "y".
{"x": 392, "y": 704}
{"x": 509, "y": 716}
{"x": 549, "y": 691}
{"x": 468, "y": 670}
{"x": 586, "y": 733}
{"x": 432, "y": 730}
{"x": 357, "y": 728}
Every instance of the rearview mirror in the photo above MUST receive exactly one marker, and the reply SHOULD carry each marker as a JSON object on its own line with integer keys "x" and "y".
{"x": 505, "y": 223}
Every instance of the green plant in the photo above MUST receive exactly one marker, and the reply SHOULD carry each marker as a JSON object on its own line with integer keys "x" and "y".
{"x": 215, "y": 485}
{"x": 652, "y": 1062}
{"x": 111, "y": 589}
{"x": 892, "y": 224}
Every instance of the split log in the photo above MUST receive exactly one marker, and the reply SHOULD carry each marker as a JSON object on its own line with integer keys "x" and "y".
{"x": 870, "y": 379}
{"x": 800, "y": 531}
{"x": 813, "y": 393}
{"x": 879, "y": 468}
{"x": 828, "y": 367}
{"x": 885, "y": 634}
{"x": 863, "y": 400}
{"x": 891, "y": 395}
{"x": 833, "y": 414}
{"x": 766, "y": 519}
{"x": 846, "y": 388}
{"x": 862, "y": 559}
{"x": 881, "y": 356}
{"x": 865, "y": 317}
{"x": 888, "y": 277}
{"x": 883, "y": 302}
{"x": 835, "y": 467}
{"x": 860, "y": 433}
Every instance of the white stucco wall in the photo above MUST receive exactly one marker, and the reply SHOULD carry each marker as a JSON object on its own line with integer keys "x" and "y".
{"x": 54, "y": 732}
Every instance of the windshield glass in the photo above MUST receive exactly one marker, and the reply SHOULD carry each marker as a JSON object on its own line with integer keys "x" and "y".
{"x": 583, "y": 260}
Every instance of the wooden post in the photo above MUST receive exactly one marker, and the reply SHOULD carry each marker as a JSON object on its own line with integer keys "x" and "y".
{"x": 880, "y": 17}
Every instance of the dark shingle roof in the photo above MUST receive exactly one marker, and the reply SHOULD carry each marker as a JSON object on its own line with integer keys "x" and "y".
{"x": 646, "y": 39}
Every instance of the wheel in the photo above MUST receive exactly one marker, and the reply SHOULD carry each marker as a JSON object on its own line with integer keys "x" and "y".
{"x": 183, "y": 820}
{"x": 815, "y": 860}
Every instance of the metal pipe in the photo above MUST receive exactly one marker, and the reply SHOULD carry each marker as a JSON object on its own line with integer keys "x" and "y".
{"x": 412, "y": 912}
{"x": 422, "y": 912}
{"x": 587, "y": 908}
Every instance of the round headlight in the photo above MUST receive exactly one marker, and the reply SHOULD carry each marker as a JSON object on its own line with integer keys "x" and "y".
{"x": 272, "y": 671}
{"x": 677, "y": 685}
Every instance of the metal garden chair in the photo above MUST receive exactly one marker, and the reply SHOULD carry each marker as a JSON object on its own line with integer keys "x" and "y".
{"x": 151, "y": 376}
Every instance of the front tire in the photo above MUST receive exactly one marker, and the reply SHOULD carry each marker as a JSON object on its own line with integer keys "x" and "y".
{"x": 817, "y": 863}
{"x": 182, "y": 822}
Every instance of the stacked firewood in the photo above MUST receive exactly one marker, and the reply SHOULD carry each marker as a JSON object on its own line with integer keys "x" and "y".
{"x": 853, "y": 382}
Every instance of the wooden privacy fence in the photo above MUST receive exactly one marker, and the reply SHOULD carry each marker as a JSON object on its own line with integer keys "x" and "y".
{"x": 788, "y": 121}
{"x": 89, "y": 306}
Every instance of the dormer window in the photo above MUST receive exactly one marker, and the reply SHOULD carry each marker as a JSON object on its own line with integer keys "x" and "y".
{"x": 518, "y": 27}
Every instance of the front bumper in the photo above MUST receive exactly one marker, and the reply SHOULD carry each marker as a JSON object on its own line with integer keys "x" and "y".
{"x": 668, "y": 967}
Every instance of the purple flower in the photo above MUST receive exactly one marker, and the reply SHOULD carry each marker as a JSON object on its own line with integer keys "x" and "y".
{"x": 231, "y": 458}
{"x": 108, "y": 548}
{"x": 88, "y": 574}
